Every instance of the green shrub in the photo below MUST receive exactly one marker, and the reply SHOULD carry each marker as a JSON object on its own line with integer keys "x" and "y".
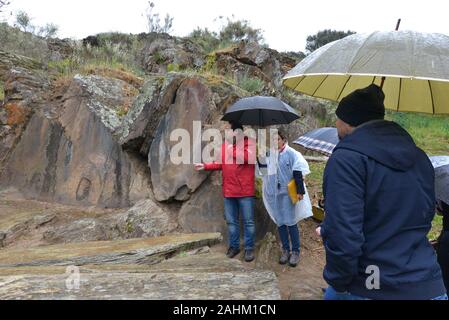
{"x": 122, "y": 111}
{"x": 158, "y": 57}
{"x": 210, "y": 65}
{"x": 116, "y": 38}
{"x": 111, "y": 54}
{"x": 231, "y": 32}
{"x": 259, "y": 186}
{"x": 173, "y": 67}
{"x": 64, "y": 67}
{"x": 251, "y": 84}
{"x": 237, "y": 30}
{"x": 206, "y": 39}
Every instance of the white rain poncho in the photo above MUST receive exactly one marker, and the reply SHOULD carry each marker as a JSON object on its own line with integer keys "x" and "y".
{"x": 275, "y": 177}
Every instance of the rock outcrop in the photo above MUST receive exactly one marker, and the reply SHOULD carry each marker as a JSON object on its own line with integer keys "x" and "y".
{"x": 132, "y": 251}
{"x": 105, "y": 138}
{"x": 184, "y": 277}
{"x": 253, "y": 60}
{"x": 68, "y": 154}
{"x": 24, "y": 84}
{"x": 163, "y": 52}
{"x": 27, "y": 222}
{"x": 132, "y": 269}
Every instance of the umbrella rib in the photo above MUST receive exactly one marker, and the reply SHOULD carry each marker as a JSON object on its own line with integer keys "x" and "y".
{"x": 343, "y": 89}
{"x": 431, "y": 96}
{"x": 399, "y": 94}
{"x": 358, "y": 51}
{"x": 296, "y": 87}
{"x": 320, "y": 85}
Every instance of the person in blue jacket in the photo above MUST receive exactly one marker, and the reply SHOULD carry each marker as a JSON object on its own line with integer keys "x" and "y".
{"x": 380, "y": 201}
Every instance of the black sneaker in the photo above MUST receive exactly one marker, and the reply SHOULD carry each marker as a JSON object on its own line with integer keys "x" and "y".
{"x": 232, "y": 252}
{"x": 249, "y": 255}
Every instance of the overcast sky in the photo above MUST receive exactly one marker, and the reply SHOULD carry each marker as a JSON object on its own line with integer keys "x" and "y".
{"x": 286, "y": 23}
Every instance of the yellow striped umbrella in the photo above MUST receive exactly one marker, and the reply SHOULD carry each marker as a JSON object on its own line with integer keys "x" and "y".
{"x": 415, "y": 67}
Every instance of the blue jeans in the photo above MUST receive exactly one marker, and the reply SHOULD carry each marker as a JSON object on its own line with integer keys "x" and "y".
{"x": 245, "y": 206}
{"x": 331, "y": 294}
{"x": 293, "y": 231}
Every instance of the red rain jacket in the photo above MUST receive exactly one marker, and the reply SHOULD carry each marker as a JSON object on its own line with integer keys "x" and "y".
{"x": 238, "y": 166}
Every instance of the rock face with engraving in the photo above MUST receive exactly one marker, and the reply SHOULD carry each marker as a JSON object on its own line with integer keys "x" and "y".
{"x": 71, "y": 156}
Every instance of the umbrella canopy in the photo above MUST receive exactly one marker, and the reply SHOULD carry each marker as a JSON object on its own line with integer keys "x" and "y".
{"x": 261, "y": 111}
{"x": 322, "y": 140}
{"x": 441, "y": 165}
{"x": 439, "y": 161}
{"x": 415, "y": 66}
{"x": 442, "y": 183}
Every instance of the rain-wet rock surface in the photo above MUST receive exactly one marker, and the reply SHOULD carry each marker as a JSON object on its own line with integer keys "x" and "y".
{"x": 157, "y": 268}
{"x": 138, "y": 251}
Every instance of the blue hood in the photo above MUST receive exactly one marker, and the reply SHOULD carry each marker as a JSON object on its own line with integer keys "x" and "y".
{"x": 385, "y": 142}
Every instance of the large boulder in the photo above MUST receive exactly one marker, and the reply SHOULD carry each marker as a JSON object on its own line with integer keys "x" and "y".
{"x": 163, "y": 52}
{"x": 205, "y": 209}
{"x": 172, "y": 102}
{"x": 141, "y": 121}
{"x": 251, "y": 60}
{"x": 193, "y": 103}
{"x": 145, "y": 219}
{"x": 204, "y": 212}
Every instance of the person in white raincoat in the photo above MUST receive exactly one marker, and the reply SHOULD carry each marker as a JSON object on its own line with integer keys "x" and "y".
{"x": 283, "y": 165}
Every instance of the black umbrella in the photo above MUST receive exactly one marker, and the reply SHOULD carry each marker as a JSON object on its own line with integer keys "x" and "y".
{"x": 441, "y": 165}
{"x": 322, "y": 140}
{"x": 260, "y": 111}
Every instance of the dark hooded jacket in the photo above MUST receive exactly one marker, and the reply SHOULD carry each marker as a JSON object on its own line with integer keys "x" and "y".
{"x": 380, "y": 202}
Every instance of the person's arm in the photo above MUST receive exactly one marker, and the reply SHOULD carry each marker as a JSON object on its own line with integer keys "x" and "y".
{"x": 215, "y": 165}
{"x": 342, "y": 228}
{"x": 297, "y": 175}
{"x": 212, "y": 166}
{"x": 300, "y": 165}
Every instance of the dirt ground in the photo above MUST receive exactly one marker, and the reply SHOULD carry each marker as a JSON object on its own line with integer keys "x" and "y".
{"x": 303, "y": 282}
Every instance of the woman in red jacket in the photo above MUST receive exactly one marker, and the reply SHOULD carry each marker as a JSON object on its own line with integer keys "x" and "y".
{"x": 237, "y": 163}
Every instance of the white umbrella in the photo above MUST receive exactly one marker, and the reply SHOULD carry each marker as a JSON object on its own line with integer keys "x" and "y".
{"x": 415, "y": 66}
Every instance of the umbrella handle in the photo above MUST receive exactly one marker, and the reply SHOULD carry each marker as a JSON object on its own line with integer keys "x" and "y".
{"x": 396, "y": 29}
{"x": 397, "y": 25}
{"x": 382, "y": 82}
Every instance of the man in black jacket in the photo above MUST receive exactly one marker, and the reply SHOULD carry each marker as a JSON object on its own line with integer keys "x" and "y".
{"x": 380, "y": 201}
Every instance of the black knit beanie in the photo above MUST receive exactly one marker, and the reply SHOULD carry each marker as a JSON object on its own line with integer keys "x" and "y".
{"x": 362, "y": 105}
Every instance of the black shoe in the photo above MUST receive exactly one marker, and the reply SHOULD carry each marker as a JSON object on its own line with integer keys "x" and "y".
{"x": 249, "y": 255}
{"x": 232, "y": 252}
{"x": 284, "y": 257}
